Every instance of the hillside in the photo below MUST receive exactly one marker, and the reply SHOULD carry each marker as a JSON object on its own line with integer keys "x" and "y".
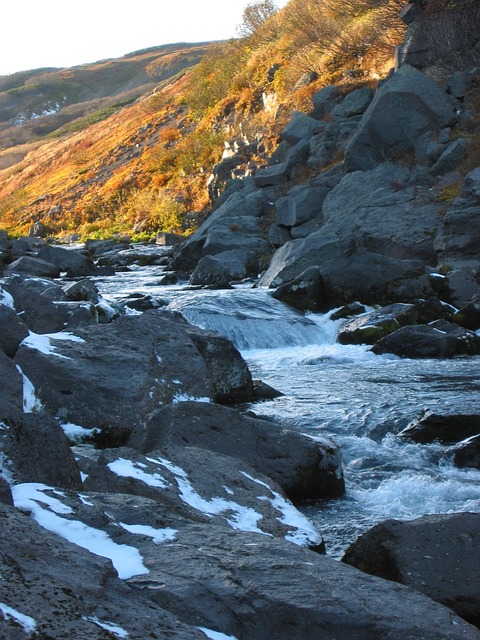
{"x": 127, "y": 146}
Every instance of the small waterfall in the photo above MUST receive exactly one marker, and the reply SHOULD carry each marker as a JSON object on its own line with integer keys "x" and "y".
{"x": 252, "y": 319}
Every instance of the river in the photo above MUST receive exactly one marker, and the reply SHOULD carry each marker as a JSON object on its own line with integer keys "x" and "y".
{"x": 345, "y": 393}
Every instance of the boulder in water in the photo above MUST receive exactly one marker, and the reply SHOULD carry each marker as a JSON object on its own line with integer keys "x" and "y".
{"x": 445, "y": 428}
{"x": 303, "y": 467}
{"x": 435, "y": 554}
{"x": 440, "y": 339}
{"x": 306, "y": 292}
{"x": 371, "y": 327}
{"x": 32, "y": 266}
{"x": 467, "y": 453}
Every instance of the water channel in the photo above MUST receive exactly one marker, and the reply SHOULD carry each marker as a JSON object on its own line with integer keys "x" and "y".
{"x": 344, "y": 393}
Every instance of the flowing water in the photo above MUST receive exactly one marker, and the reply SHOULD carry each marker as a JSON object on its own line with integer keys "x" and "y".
{"x": 345, "y": 393}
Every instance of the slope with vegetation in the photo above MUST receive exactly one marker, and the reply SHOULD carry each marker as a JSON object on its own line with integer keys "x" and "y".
{"x": 127, "y": 146}
{"x": 83, "y": 159}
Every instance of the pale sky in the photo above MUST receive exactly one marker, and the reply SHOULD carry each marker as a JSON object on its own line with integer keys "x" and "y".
{"x": 56, "y": 33}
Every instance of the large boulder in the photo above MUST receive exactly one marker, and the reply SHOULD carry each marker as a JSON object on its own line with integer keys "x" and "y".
{"x": 11, "y": 389}
{"x": 226, "y": 369}
{"x": 73, "y": 262}
{"x": 37, "y": 450}
{"x": 13, "y": 331}
{"x": 364, "y": 249}
{"x": 303, "y": 467}
{"x": 109, "y": 376}
{"x": 232, "y": 223}
{"x": 386, "y": 211}
{"x": 239, "y": 583}
{"x": 306, "y": 292}
{"x": 440, "y": 339}
{"x": 406, "y": 106}
{"x": 53, "y": 588}
{"x": 221, "y": 269}
{"x": 444, "y": 428}
{"x": 348, "y": 276}
{"x": 374, "y": 325}
{"x": 180, "y": 480}
{"x": 39, "y": 312}
{"x": 467, "y": 453}
{"x": 29, "y": 265}
{"x": 437, "y": 555}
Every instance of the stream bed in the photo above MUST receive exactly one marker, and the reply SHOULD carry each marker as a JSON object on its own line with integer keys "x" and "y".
{"x": 344, "y": 393}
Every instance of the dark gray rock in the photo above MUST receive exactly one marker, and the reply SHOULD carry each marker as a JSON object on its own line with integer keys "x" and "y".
{"x": 405, "y": 107}
{"x": 354, "y": 104}
{"x": 38, "y": 312}
{"x": 29, "y": 265}
{"x": 227, "y": 228}
{"x": 97, "y": 248}
{"x": 253, "y": 586}
{"x": 238, "y": 583}
{"x": 25, "y": 245}
{"x": 302, "y": 203}
{"x": 239, "y": 233}
{"x": 299, "y": 128}
{"x": 469, "y": 315}
{"x": 55, "y": 293}
{"x": 227, "y": 371}
{"x": 436, "y": 555}
{"x": 347, "y": 276}
{"x": 274, "y": 175}
{"x": 462, "y": 287}
{"x": 304, "y": 468}
{"x": 67, "y": 592}
{"x": 349, "y": 310}
{"x": 471, "y": 184}
{"x": 325, "y": 99}
{"x": 365, "y": 243}
{"x": 180, "y": 480}
{"x": 128, "y": 367}
{"x": 459, "y": 83}
{"x": 371, "y": 327}
{"x": 73, "y": 262}
{"x": 11, "y": 389}
{"x": 221, "y": 269}
{"x": 83, "y": 290}
{"x": 13, "y": 330}
{"x": 450, "y": 157}
{"x": 381, "y": 212}
{"x": 467, "y": 453}
{"x": 438, "y": 340}
{"x": 443, "y": 428}
{"x": 278, "y": 236}
{"x": 5, "y": 492}
{"x": 306, "y": 292}
{"x": 329, "y": 144}
{"x": 38, "y": 451}
{"x": 142, "y": 302}
{"x": 459, "y": 235}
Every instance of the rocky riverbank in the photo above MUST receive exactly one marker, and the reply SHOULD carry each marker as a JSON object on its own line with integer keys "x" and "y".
{"x": 113, "y": 524}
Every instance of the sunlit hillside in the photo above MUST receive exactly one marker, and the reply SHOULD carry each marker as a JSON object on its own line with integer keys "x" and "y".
{"x": 127, "y": 146}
